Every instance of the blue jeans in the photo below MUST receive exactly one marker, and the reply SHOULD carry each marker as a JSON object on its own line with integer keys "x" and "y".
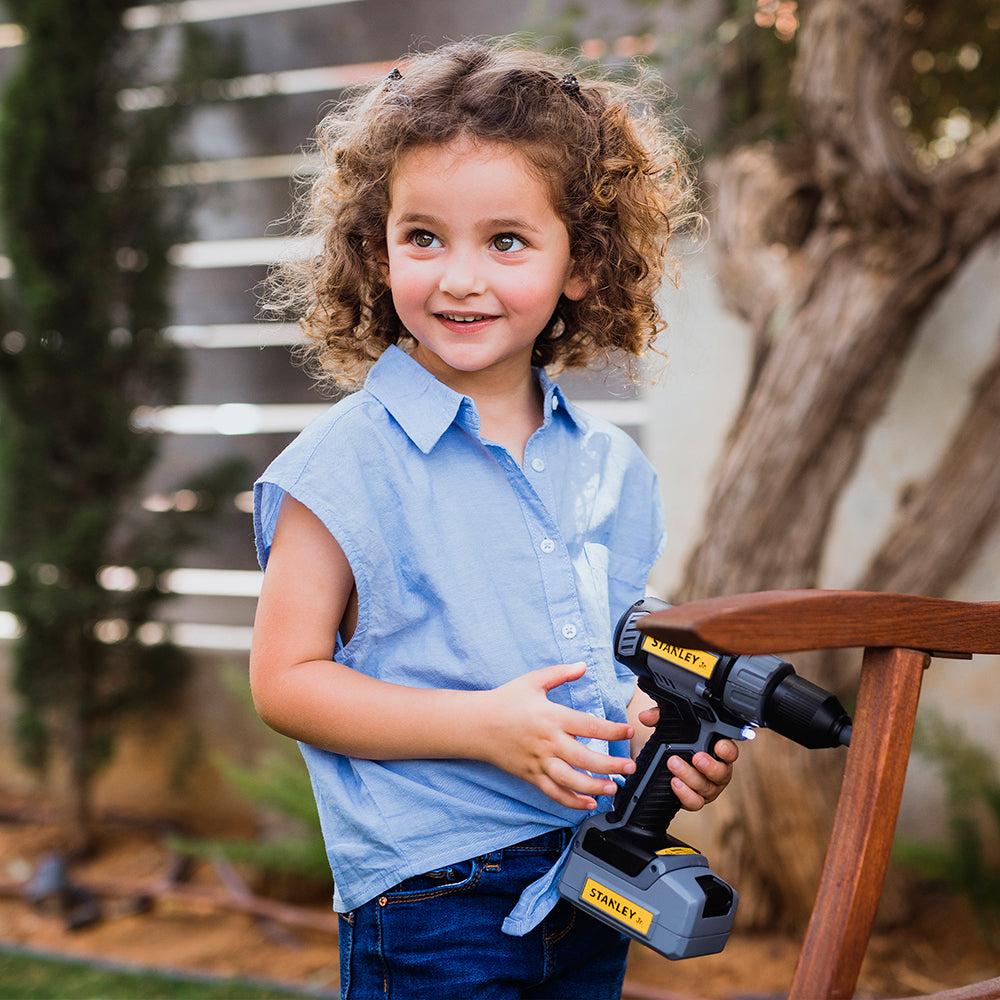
{"x": 438, "y": 935}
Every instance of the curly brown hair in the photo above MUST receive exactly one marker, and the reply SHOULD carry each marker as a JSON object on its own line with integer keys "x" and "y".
{"x": 618, "y": 179}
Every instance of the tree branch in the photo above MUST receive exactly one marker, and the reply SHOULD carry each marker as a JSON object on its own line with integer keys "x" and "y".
{"x": 754, "y": 196}
{"x": 848, "y": 49}
{"x": 966, "y": 187}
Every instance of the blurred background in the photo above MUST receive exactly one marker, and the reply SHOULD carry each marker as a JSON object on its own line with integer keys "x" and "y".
{"x": 828, "y": 416}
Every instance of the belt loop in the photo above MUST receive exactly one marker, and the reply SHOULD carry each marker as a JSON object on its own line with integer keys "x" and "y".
{"x": 492, "y": 861}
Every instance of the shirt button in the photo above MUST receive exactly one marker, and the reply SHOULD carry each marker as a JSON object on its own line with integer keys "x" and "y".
{"x": 569, "y": 631}
{"x": 538, "y": 465}
{"x": 548, "y": 545}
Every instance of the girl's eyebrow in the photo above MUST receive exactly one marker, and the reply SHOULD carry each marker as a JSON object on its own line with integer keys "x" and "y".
{"x": 494, "y": 225}
{"x": 414, "y": 218}
{"x": 513, "y": 223}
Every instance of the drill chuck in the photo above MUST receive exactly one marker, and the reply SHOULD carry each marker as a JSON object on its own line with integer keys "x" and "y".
{"x": 766, "y": 691}
{"x": 807, "y": 714}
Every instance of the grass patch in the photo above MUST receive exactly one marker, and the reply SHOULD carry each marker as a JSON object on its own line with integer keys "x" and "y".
{"x": 32, "y": 977}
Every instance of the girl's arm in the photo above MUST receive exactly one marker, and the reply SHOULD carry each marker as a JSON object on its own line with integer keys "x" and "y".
{"x": 308, "y": 591}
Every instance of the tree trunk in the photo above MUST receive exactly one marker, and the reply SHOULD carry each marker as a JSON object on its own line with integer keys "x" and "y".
{"x": 833, "y": 250}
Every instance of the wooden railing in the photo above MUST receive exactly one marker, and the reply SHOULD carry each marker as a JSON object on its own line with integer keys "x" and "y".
{"x": 899, "y": 633}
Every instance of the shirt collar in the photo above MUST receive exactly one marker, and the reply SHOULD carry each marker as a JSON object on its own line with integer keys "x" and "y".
{"x": 425, "y": 408}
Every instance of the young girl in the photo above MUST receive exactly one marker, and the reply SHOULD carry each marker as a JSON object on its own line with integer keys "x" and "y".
{"x": 446, "y": 550}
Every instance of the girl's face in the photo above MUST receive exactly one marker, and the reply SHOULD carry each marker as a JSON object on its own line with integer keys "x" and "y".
{"x": 476, "y": 260}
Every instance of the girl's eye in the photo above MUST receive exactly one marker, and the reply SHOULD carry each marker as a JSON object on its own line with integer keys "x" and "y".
{"x": 507, "y": 242}
{"x": 423, "y": 239}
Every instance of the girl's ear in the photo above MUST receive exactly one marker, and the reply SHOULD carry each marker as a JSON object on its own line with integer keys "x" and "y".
{"x": 382, "y": 259}
{"x": 577, "y": 285}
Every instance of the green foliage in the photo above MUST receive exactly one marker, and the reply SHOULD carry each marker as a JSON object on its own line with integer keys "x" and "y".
{"x": 946, "y": 84}
{"x": 742, "y": 66}
{"x": 82, "y": 345}
{"x": 944, "y": 88}
{"x": 278, "y": 783}
{"x": 754, "y": 57}
{"x": 30, "y": 977}
{"x": 967, "y": 862}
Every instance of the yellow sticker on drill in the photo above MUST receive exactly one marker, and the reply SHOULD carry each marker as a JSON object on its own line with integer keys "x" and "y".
{"x": 622, "y": 909}
{"x": 696, "y": 660}
{"x": 677, "y": 850}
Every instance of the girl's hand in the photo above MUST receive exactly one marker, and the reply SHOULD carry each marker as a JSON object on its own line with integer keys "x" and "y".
{"x": 534, "y": 738}
{"x": 696, "y": 785}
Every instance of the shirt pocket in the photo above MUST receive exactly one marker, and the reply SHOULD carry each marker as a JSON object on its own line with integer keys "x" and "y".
{"x": 619, "y": 580}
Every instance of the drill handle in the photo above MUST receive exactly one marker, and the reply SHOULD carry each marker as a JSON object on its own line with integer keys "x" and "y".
{"x": 646, "y": 803}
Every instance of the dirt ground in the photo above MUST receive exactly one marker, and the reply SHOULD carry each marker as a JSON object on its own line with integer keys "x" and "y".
{"x": 940, "y": 948}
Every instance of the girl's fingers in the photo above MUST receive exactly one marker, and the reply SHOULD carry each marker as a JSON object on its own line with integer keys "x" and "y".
{"x": 688, "y": 798}
{"x": 560, "y": 673}
{"x": 649, "y": 717}
{"x": 697, "y": 785}
{"x": 590, "y": 727}
{"x": 576, "y": 788}
{"x": 564, "y": 797}
{"x": 564, "y": 767}
{"x": 579, "y": 756}
{"x": 580, "y": 723}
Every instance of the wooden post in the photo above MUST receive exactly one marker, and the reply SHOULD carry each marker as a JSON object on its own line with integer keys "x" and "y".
{"x": 863, "y": 827}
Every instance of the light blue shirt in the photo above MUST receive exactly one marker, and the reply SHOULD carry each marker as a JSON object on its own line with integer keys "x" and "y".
{"x": 471, "y": 570}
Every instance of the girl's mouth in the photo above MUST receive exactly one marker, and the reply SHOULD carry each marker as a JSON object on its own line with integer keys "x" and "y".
{"x": 467, "y": 324}
{"x": 464, "y": 318}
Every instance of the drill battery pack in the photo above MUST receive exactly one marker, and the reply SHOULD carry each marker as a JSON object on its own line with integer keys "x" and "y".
{"x": 668, "y": 899}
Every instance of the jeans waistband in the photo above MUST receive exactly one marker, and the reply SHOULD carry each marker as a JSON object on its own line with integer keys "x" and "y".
{"x": 552, "y": 840}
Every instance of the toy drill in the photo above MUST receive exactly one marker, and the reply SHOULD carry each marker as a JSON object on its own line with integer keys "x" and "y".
{"x": 624, "y": 868}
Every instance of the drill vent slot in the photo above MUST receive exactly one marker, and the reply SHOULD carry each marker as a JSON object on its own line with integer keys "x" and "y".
{"x": 630, "y": 637}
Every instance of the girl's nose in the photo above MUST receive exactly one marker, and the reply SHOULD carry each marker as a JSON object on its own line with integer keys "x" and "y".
{"x": 461, "y": 278}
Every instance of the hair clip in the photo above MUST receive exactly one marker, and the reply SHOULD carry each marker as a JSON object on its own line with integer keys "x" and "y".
{"x": 394, "y": 77}
{"x": 570, "y": 85}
